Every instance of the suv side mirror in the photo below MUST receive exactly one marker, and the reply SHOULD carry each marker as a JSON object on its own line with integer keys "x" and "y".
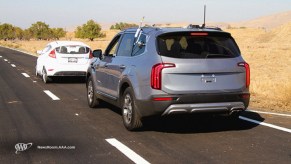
{"x": 140, "y": 44}
{"x": 98, "y": 54}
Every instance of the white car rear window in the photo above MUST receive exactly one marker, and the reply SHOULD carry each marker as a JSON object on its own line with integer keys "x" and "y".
{"x": 73, "y": 49}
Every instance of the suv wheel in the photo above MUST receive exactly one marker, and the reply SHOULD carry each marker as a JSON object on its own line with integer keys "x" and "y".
{"x": 131, "y": 119}
{"x": 91, "y": 94}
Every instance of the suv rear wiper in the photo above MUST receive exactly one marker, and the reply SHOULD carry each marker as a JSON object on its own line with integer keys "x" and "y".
{"x": 216, "y": 55}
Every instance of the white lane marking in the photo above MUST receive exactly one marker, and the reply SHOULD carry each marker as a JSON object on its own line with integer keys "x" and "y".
{"x": 266, "y": 124}
{"x": 13, "y": 65}
{"x": 34, "y": 81}
{"x": 5, "y": 60}
{"x": 0, "y": 56}
{"x": 126, "y": 151}
{"x": 50, "y": 94}
{"x": 25, "y": 74}
{"x": 278, "y": 114}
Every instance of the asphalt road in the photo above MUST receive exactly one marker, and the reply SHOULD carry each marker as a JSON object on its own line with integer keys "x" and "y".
{"x": 68, "y": 131}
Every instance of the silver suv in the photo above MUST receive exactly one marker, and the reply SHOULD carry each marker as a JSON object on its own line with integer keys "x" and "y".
{"x": 166, "y": 71}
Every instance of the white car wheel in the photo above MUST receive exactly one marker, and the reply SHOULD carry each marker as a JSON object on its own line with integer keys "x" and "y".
{"x": 36, "y": 73}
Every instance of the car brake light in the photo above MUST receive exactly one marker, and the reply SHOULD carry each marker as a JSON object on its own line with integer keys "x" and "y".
{"x": 199, "y": 34}
{"x": 248, "y": 72}
{"x": 52, "y": 54}
{"x": 156, "y": 74}
{"x": 90, "y": 55}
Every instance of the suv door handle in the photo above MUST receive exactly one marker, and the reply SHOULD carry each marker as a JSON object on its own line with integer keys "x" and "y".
{"x": 122, "y": 66}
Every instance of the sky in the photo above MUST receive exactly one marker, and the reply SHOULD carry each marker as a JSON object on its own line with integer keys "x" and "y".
{"x": 72, "y": 13}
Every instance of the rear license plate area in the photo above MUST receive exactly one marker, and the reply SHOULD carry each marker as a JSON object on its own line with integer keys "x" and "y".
{"x": 208, "y": 78}
{"x": 72, "y": 60}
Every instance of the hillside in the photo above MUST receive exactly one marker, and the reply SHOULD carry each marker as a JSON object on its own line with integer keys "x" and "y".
{"x": 268, "y": 22}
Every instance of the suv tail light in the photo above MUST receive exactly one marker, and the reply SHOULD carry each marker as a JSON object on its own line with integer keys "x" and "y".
{"x": 52, "y": 54}
{"x": 248, "y": 73}
{"x": 156, "y": 74}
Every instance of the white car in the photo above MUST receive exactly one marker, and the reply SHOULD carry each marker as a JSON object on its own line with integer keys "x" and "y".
{"x": 63, "y": 58}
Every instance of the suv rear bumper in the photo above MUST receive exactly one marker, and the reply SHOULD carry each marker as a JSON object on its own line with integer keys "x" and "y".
{"x": 205, "y": 107}
{"x": 195, "y": 103}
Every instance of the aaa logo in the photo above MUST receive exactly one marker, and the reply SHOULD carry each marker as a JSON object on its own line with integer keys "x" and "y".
{"x": 22, "y": 147}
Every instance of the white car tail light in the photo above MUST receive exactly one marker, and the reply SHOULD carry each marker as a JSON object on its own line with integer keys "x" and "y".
{"x": 52, "y": 54}
{"x": 90, "y": 54}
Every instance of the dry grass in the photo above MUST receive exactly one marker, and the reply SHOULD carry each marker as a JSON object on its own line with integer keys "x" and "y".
{"x": 267, "y": 52}
{"x": 269, "y": 55}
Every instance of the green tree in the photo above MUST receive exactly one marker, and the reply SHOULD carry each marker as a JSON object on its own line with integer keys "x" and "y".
{"x": 7, "y": 31}
{"x": 57, "y": 33}
{"x": 122, "y": 26}
{"x": 90, "y": 30}
{"x": 27, "y": 34}
{"x": 18, "y": 33}
{"x": 40, "y": 30}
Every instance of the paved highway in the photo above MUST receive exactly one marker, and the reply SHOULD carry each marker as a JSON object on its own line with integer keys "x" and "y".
{"x": 56, "y": 120}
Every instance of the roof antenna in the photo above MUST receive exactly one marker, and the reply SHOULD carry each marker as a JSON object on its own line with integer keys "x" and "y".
{"x": 203, "y": 25}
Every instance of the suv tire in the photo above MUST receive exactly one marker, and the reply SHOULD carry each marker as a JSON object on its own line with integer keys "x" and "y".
{"x": 131, "y": 119}
{"x": 91, "y": 94}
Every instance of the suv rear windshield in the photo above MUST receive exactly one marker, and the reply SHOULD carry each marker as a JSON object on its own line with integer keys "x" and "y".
{"x": 197, "y": 45}
{"x": 73, "y": 49}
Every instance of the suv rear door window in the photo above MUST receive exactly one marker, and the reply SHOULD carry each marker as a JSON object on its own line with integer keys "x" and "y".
{"x": 126, "y": 45}
{"x": 130, "y": 47}
{"x": 139, "y": 47}
{"x": 197, "y": 45}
